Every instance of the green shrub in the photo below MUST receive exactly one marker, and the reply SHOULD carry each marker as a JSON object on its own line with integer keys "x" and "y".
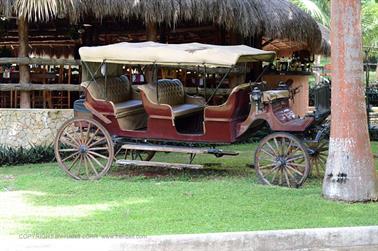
{"x": 17, "y": 156}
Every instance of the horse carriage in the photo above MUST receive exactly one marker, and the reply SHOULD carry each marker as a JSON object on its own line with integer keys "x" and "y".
{"x": 117, "y": 117}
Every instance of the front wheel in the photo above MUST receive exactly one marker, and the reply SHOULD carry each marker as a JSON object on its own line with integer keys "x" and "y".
{"x": 282, "y": 159}
{"x": 84, "y": 149}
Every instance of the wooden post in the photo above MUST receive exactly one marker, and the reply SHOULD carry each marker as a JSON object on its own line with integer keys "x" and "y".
{"x": 151, "y": 29}
{"x": 69, "y": 75}
{"x": 350, "y": 172}
{"x": 24, "y": 68}
{"x": 151, "y": 35}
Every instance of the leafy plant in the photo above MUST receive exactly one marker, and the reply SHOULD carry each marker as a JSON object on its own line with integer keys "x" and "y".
{"x": 18, "y": 156}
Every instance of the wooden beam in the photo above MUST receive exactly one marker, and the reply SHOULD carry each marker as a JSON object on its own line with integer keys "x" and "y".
{"x": 165, "y": 148}
{"x": 42, "y": 61}
{"x": 39, "y": 87}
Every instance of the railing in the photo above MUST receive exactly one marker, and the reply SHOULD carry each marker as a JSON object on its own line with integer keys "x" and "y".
{"x": 38, "y": 87}
{"x": 41, "y": 61}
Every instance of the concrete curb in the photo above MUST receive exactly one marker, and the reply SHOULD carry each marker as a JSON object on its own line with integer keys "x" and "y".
{"x": 353, "y": 238}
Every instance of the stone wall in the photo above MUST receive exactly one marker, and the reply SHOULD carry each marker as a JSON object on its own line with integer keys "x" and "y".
{"x": 31, "y": 127}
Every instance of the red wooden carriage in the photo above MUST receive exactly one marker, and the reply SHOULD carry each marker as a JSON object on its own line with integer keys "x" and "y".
{"x": 143, "y": 119}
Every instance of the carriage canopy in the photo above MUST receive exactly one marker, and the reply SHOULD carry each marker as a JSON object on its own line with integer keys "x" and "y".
{"x": 190, "y": 54}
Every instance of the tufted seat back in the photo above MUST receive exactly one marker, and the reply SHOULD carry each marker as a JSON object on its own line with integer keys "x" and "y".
{"x": 170, "y": 92}
{"x": 118, "y": 89}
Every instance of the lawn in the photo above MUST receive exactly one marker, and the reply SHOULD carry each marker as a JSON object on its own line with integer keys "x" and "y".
{"x": 41, "y": 201}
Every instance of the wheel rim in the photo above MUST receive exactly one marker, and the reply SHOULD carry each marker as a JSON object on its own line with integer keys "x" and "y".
{"x": 318, "y": 156}
{"x": 281, "y": 159}
{"x": 84, "y": 149}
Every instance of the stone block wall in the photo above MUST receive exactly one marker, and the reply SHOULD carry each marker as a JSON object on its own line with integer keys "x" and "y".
{"x": 31, "y": 127}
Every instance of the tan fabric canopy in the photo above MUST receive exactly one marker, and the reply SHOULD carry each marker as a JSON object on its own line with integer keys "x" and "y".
{"x": 191, "y": 54}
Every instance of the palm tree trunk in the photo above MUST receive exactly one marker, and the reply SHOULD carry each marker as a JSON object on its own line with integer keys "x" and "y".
{"x": 350, "y": 173}
{"x": 23, "y": 52}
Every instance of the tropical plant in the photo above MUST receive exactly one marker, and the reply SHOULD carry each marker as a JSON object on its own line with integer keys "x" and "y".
{"x": 370, "y": 23}
{"x": 18, "y": 156}
{"x": 318, "y": 9}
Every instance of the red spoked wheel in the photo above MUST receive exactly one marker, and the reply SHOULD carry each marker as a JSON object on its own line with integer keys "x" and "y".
{"x": 84, "y": 149}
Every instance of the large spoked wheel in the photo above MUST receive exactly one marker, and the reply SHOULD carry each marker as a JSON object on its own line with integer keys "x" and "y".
{"x": 282, "y": 159}
{"x": 84, "y": 149}
{"x": 318, "y": 152}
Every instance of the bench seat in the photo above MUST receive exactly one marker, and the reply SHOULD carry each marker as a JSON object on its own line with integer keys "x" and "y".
{"x": 128, "y": 107}
{"x": 169, "y": 95}
{"x": 121, "y": 100}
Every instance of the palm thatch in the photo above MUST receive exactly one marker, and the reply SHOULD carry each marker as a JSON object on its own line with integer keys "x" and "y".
{"x": 325, "y": 48}
{"x": 273, "y": 19}
{"x": 41, "y": 10}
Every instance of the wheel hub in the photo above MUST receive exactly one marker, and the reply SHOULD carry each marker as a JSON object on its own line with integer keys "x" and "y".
{"x": 83, "y": 149}
{"x": 281, "y": 161}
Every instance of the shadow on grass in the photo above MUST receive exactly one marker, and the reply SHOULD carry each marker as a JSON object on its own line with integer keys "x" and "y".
{"x": 213, "y": 172}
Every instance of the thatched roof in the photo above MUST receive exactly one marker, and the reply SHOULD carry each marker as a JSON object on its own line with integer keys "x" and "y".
{"x": 325, "y": 48}
{"x": 274, "y": 19}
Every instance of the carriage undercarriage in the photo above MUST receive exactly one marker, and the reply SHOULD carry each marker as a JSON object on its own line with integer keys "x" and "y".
{"x": 87, "y": 152}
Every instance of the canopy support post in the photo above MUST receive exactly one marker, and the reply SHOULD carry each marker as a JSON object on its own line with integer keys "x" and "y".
{"x": 219, "y": 84}
{"x": 155, "y": 80}
{"x": 93, "y": 79}
{"x": 204, "y": 81}
{"x": 106, "y": 80}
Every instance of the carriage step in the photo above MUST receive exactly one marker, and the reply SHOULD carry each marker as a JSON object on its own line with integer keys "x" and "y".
{"x": 178, "y": 149}
{"x": 157, "y": 164}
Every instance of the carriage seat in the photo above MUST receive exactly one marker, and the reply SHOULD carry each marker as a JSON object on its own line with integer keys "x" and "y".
{"x": 171, "y": 92}
{"x": 269, "y": 96}
{"x": 128, "y": 107}
{"x": 119, "y": 93}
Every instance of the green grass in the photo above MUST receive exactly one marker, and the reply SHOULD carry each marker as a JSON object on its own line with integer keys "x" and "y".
{"x": 372, "y": 76}
{"x": 40, "y": 200}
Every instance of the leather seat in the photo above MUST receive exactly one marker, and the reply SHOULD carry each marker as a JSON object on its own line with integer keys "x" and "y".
{"x": 171, "y": 92}
{"x": 124, "y": 101}
{"x": 128, "y": 107}
{"x": 118, "y": 93}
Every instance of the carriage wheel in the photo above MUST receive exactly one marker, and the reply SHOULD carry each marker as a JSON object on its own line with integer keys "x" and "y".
{"x": 84, "y": 149}
{"x": 318, "y": 156}
{"x": 282, "y": 159}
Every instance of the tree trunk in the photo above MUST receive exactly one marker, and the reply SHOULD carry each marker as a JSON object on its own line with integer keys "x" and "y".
{"x": 24, "y": 69}
{"x": 350, "y": 172}
{"x": 151, "y": 30}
